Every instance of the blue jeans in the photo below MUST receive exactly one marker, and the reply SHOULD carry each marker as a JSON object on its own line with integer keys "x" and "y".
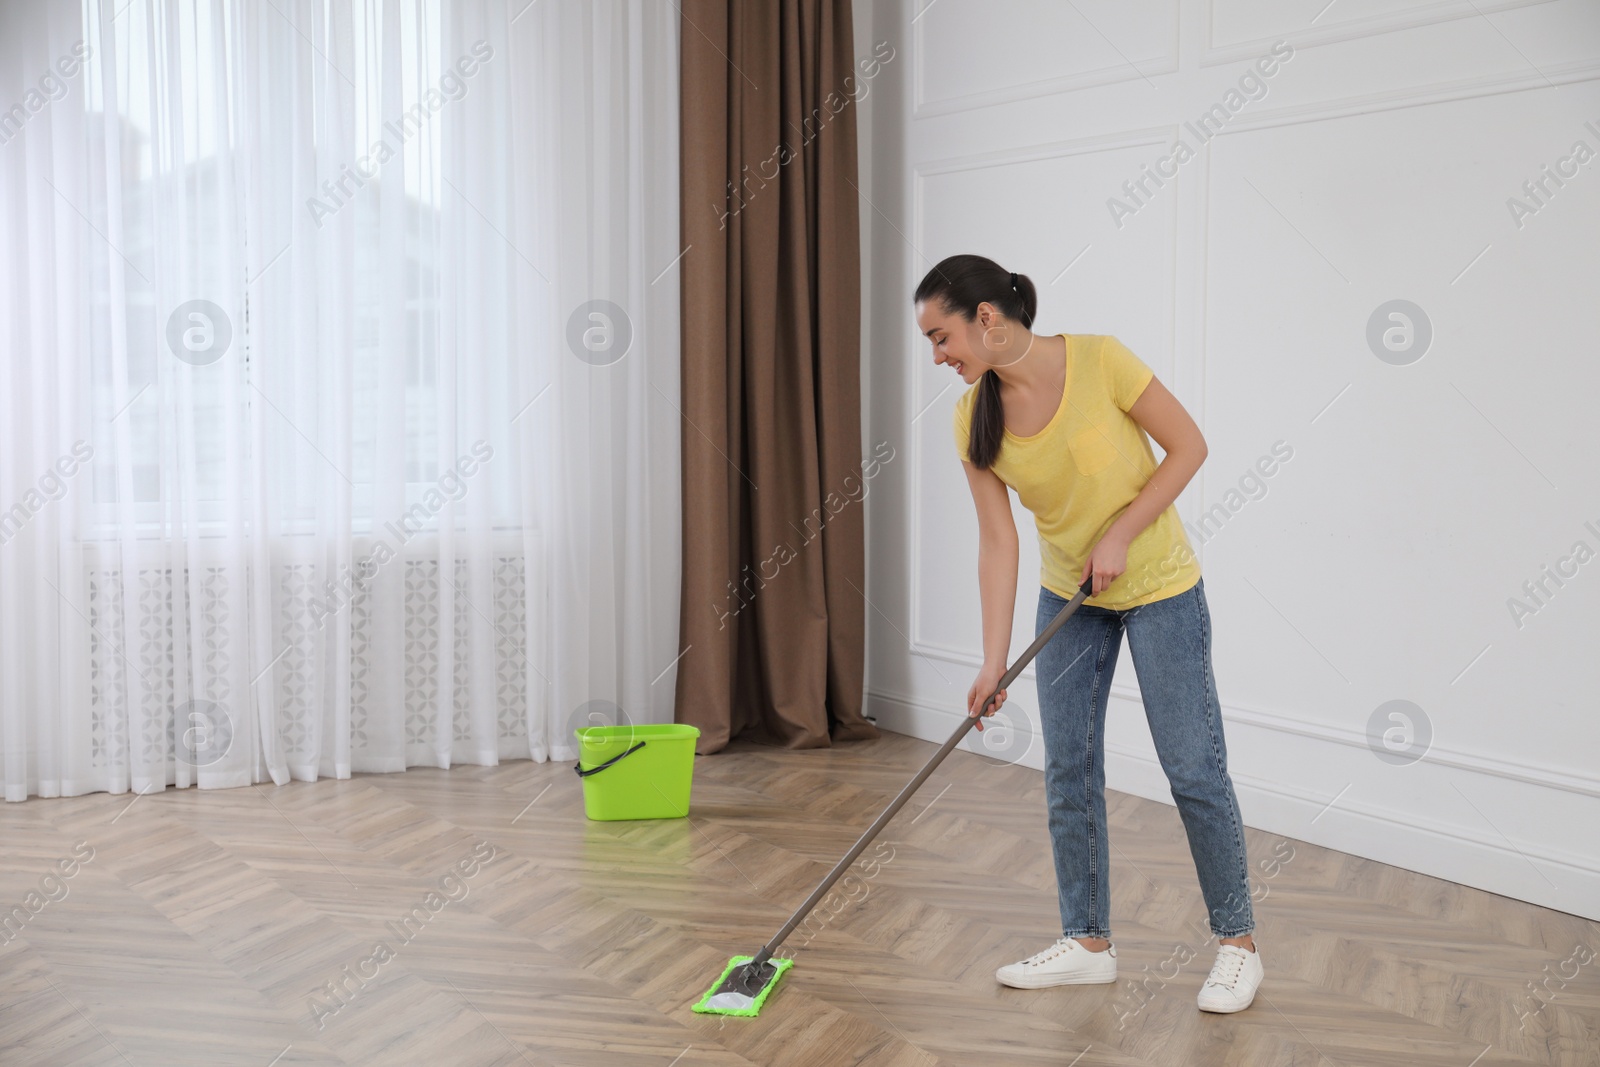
{"x": 1171, "y": 644}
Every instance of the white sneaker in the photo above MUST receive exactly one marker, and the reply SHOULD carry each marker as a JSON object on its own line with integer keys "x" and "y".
{"x": 1064, "y": 963}
{"x": 1233, "y": 980}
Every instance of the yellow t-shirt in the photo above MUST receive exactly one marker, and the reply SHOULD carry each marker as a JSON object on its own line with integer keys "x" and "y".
{"x": 1078, "y": 474}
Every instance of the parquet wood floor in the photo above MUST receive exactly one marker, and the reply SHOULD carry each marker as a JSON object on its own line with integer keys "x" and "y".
{"x": 267, "y": 927}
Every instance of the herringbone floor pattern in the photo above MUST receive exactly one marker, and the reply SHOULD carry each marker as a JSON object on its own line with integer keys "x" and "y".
{"x": 356, "y": 922}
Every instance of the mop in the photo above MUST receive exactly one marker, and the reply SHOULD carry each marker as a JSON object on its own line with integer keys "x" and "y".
{"x": 747, "y": 981}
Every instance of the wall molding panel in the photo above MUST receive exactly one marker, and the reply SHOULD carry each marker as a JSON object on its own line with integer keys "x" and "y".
{"x": 1124, "y": 71}
{"x": 1416, "y": 96}
{"x": 1153, "y": 138}
{"x": 1337, "y": 32}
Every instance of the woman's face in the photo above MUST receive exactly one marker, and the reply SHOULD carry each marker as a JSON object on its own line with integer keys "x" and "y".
{"x": 957, "y": 343}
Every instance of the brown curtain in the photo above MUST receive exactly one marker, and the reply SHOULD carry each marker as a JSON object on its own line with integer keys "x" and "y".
{"x": 773, "y": 610}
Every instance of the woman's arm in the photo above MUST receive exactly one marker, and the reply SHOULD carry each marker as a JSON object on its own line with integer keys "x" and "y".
{"x": 1165, "y": 420}
{"x": 997, "y": 577}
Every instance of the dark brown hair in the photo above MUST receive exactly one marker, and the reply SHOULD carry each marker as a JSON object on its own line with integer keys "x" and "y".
{"x": 960, "y": 284}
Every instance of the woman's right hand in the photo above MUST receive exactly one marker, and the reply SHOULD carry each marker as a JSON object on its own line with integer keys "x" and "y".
{"x": 988, "y": 678}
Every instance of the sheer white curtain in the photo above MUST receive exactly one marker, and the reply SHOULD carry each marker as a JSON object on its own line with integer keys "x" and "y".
{"x": 338, "y": 385}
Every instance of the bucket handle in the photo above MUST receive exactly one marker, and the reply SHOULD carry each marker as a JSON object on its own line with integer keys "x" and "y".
{"x": 596, "y": 770}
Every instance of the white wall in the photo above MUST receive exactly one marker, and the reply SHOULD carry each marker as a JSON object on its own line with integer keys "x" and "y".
{"x": 1378, "y": 562}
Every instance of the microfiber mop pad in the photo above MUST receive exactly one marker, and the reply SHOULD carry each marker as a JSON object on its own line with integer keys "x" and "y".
{"x": 730, "y": 1001}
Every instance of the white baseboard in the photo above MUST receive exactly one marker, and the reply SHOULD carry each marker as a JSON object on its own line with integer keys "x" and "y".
{"x": 1540, "y": 875}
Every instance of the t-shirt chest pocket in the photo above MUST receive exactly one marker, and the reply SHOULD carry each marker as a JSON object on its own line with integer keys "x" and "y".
{"x": 1092, "y": 450}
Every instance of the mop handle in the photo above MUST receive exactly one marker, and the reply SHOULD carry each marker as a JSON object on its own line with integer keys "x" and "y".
{"x": 968, "y": 720}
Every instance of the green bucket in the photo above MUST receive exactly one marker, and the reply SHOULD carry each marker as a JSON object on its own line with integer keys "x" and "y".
{"x": 636, "y": 772}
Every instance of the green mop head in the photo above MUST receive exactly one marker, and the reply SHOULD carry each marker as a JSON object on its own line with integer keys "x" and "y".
{"x": 742, "y": 993}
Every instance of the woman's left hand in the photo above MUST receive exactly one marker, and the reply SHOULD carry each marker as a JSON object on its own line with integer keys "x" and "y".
{"x": 1107, "y": 560}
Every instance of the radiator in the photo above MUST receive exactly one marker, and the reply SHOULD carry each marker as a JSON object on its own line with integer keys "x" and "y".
{"x": 152, "y": 653}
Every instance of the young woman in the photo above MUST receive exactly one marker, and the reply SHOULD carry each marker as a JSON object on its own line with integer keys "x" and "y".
{"x": 1063, "y": 419}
